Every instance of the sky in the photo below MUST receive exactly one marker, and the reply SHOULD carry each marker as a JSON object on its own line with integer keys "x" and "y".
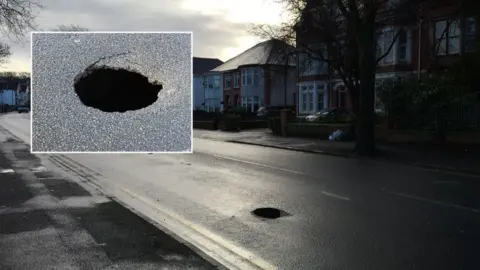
{"x": 220, "y": 27}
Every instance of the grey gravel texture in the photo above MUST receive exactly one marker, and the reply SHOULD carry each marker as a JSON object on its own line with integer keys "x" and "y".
{"x": 61, "y": 123}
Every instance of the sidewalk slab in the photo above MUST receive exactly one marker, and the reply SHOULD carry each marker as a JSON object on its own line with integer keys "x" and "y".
{"x": 453, "y": 158}
{"x": 50, "y": 222}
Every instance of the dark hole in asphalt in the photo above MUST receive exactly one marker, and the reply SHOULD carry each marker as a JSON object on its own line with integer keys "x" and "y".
{"x": 111, "y": 89}
{"x": 269, "y": 212}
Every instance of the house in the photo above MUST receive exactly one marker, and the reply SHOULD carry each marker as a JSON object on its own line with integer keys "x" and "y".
{"x": 23, "y": 92}
{"x": 434, "y": 42}
{"x": 213, "y": 92}
{"x": 263, "y": 75}
{"x": 200, "y": 67}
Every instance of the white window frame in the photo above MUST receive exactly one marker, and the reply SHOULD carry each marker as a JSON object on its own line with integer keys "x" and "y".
{"x": 249, "y": 75}
{"x": 445, "y": 39}
{"x": 211, "y": 104}
{"x": 249, "y": 102}
{"x": 309, "y": 93}
{"x": 385, "y": 41}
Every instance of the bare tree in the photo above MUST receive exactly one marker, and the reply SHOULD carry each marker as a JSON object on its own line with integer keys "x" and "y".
{"x": 17, "y": 17}
{"x": 4, "y": 53}
{"x": 350, "y": 37}
{"x": 70, "y": 28}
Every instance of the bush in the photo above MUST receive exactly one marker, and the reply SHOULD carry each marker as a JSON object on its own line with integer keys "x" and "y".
{"x": 232, "y": 122}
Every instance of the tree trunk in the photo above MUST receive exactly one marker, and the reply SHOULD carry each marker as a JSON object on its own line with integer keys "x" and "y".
{"x": 365, "y": 144}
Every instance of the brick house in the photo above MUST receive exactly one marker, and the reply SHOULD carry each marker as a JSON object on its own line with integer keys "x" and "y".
{"x": 263, "y": 75}
{"x": 421, "y": 46}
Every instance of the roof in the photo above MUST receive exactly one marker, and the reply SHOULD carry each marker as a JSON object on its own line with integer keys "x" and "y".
{"x": 270, "y": 52}
{"x": 203, "y": 65}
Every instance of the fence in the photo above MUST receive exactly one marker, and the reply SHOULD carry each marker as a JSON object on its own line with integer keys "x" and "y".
{"x": 462, "y": 118}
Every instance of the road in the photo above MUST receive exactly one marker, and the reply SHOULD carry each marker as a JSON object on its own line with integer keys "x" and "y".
{"x": 343, "y": 213}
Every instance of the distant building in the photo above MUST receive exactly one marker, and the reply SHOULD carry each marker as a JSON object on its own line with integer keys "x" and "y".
{"x": 8, "y": 97}
{"x": 204, "y": 96}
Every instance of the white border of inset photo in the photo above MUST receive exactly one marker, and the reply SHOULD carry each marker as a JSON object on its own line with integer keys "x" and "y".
{"x": 111, "y": 32}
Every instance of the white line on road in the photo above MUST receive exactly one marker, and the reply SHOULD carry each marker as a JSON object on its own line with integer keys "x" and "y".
{"x": 335, "y": 196}
{"x": 7, "y": 171}
{"x": 476, "y": 211}
{"x": 261, "y": 165}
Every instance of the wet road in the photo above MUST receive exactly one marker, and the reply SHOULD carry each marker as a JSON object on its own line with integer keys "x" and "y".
{"x": 344, "y": 213}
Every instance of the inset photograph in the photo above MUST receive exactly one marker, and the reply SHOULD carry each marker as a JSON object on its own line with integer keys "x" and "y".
{"x": 111, "y": 92}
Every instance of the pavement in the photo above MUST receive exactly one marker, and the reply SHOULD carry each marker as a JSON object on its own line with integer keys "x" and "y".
{"x": 336, "y": 213}
{"x": 456, "y": 158}
{"x": 48, "y": 221}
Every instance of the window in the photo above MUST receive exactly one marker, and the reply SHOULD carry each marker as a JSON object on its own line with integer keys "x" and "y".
{"x": 216, "y": 81}
{"x": 251, "y": 76}
{"x": 447, "y": 37}
{"x": 236, "y": 80}
{"x": 252, "y": 103}
{"x": 383, "y": 45}
{"x": 402, "y": 53}
{"x": 311, "y": 98}
{"x": 228, "y": 81}
{"x": 470, "y": 34}
{"x": 320, "y": 96}
{"x": 313, "y": 65}
{"x": 256, "y": 77}
{"x": 212, "y": 104}
{"x": 341, "y": 96}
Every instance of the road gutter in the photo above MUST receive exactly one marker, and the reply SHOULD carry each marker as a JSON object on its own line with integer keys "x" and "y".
{"x": 210, "y": 246}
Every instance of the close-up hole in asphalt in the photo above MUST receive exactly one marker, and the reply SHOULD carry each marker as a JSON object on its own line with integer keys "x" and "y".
{"x": 112, "y": 89}
{"x": 269, "y": 213}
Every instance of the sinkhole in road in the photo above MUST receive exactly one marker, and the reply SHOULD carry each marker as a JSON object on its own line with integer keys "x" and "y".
{"x": 112, "y": 89}
{"x": 269, "y": 213}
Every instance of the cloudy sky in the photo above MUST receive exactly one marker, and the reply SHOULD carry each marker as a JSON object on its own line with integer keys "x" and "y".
{"x": 220, "y": 27}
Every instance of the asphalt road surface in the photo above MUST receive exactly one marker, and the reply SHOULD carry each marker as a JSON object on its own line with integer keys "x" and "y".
{"x": 342, "y": 213}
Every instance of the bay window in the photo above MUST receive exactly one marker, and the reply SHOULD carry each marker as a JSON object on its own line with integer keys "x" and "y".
{"x": 311, "y": 97}
{"x": 252, "y": 103}
{"x": 251, "y": 76}
{"x": 236, "y": 80}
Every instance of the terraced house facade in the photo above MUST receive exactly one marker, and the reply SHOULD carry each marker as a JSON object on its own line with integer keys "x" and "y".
{"x": 437, "y": 40}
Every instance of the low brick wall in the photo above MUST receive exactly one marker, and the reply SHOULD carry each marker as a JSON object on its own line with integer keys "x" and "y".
{"x": 313, "y": 130}
{"x": 205, "y": 124}
{"x": 416, "y": 136}
{"x": 254, "y": 124}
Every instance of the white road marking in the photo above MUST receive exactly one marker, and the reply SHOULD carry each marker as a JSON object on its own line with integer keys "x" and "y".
{"x": 261, "y": 165}
{"x": 7, "y": 171}
{"x": 335, "y": 196}
{"x": 459, "y": 207}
